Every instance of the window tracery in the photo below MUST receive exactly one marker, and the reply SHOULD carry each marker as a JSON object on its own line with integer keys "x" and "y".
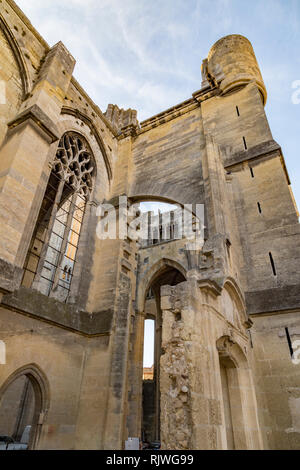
{"x": 51, "y": 259}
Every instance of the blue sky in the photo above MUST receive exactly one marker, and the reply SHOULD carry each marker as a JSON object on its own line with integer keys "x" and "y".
{"x": 149, "y": 343}
{"x": 147, "y": 55}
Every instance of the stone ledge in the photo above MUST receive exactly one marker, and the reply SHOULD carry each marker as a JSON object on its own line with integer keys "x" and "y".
{"x": 10, "y": 276}
{"x": 273, "y": 300}
{"x": 37, "y": 115}
{"x": 252, "y": 153}
{"x": 33, "y": 303}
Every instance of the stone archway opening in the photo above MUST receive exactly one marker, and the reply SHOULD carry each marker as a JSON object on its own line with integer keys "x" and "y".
{"x": 240, "y": 427}
{"x": 166, "y": 276}
{"x": 231, "y": 403}
{"x": 22, "y": 407}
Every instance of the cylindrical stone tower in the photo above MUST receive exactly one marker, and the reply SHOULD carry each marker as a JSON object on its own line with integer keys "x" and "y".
{"x": 232, "y": 59}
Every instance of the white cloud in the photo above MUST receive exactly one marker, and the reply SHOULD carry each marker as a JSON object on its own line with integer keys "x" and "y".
{"x": 147, "y": 55}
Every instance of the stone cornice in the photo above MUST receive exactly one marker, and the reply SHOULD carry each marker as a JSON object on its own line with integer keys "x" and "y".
{"x": 178, "y": 110}
{"x": 33, "y": 304}
{"x": 10, "y": 276}
{"x": 265, "y": 149}
{"x": 212, "y": 286}
{"x": 273, "y": 300}
{"x": 36, "y": 115}
{"x": 95, "y": 108}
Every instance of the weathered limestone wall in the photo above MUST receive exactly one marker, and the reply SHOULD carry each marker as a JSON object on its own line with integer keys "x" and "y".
{"x": 196, "y": 333}
{"x": 277, "y": 379}
{"x": 216, "y": 148}
{"x": 78, "y": 374}
{"x": 221, "y": 120}
{"x": 259, "y": 200}
{"x": 23, "y": 163}
{"x": 167, "y": 160}
{"x": 275, "y": 229}
{"x": 11, "y": 85}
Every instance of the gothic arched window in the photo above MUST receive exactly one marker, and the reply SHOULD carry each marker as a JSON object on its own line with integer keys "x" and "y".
{"x": 51, "y": 258}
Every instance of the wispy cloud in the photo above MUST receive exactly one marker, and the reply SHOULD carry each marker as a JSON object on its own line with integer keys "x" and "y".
{"x": 147, "y": 55}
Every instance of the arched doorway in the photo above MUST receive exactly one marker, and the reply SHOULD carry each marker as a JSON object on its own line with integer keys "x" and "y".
{"x": 231, "y": 401}
{"x": 240, "y": 421}
{"x": 166, "y": 275}
{"x": 23, "y": 406}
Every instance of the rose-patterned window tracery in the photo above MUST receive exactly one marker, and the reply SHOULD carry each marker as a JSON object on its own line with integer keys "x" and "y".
{"x": 51, "y": 259}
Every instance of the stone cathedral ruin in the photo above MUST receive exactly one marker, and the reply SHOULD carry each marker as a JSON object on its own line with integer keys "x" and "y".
{"x": 73, "y": 306}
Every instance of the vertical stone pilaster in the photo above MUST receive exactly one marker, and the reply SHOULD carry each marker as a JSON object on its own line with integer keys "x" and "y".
{"x": 25, "y": 151}
{"x": 176, "y": 370}
{"x": 121, "y": 307}
{"x": 117, "y": 393}
{"x": 135, "y": 374}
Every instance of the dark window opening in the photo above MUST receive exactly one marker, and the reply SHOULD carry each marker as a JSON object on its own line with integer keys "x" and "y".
{"x": 228, "y": 246}
{"x": 252, "y": 172}
{"x": 245, "y": 143}
{"x": 238, "y": 111}
{"x": 288, "y": 337}
{"x": 273, "y": 264}
{"x": 259, "y": 208}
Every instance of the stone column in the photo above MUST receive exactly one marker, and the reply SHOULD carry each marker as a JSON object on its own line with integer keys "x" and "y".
{"x": 135, "y": 376}
{"x": 176, "y": 371}
{"x": 190, "y": 402}
{"x": 118, "y": 275}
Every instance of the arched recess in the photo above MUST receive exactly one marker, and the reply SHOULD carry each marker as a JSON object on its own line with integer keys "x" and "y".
{"x": 240, "y": 428}
{"x": 25, "y": 77}
{"x": 152, "y": 197}
{"x": 233, "y": 289}
{"x": 36, "y": 378}
{"x": 88, "y": 121}
{"x": 165, "y": 272}
{"x": 155, "y": 272}
{"x": 136, "y": 198}
{"x": 169, "y": 220}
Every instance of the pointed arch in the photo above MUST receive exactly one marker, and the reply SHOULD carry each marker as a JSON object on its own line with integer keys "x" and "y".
{"x": 236, "y": 293}
{"x": 41, "y": 389}
{"x": 86, "y": 119}
{"x": 37, "y": 374}
{"x": 19, "y": 57}
{"x": 240, "y": 424}
{"x": 232, "y": 352}
{"x": 154, "y": 272}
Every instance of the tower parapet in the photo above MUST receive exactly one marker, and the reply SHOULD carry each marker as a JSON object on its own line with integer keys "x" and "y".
{"x": 232, "y": 62}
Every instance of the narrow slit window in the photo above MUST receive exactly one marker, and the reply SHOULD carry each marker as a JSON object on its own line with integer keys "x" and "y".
{"x": 289, "y": 340}
{"x": 245, "y": 143}
{"x": 238, "y": 111}
{"x": 272, "y": 264}
{"x": 252, "y": 172}
{"x": 259, "y": 208}
{"x": 149, "y": 345}
{"x": 228, "y": 246}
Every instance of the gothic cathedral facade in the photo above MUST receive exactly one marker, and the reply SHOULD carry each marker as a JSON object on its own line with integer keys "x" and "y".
{"x": 73, "y": 306}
